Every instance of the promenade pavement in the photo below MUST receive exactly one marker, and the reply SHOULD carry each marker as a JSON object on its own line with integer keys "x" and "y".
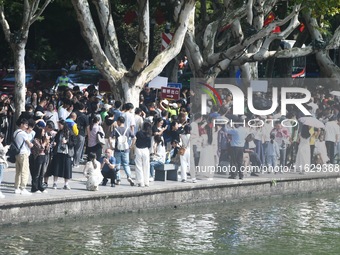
{"x": 78, "y": 187}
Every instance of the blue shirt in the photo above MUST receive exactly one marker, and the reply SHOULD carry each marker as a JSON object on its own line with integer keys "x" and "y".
{"x": 106, "y": 168}
{"x": 238, "y": 136}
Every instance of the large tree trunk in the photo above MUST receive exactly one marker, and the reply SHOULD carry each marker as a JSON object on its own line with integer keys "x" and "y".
{"x": 127, "y": 83}
{"x": 20, "y": 78}
{"x": 130, "y": 92}
{"x": 32, "y": 10}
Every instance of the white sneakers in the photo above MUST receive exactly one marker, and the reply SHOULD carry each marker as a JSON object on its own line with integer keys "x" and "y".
{"x": 25, "y": 192}
{"x": 22, "y": 192}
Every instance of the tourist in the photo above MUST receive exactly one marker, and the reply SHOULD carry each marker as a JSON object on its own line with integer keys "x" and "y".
{"x": 93, "y": 144}
{"x": 303, "y": 155}
{"x": 122, "y": 151}
{"x": 83, "y": 127}
{"x": 129, "y": 116}
{"x": 39, "y": 152}
{"x": 157, "y": 156}
{"x": 61, "y": 162}
{"x": 238, "y": 134}
{"x": 92, "y": 172}
{"x": 272, "y": 154}
{"x": 332, "y": 134}
{"x": 142, "y": 160}
{"x": 185, "y": 158}
{"x": 51, "y": 114}
{"x": 109, "y": 170}
{"x": 3, "y": 160}
{"x": 282, "y": 138}
{"x": 21, "y": 138}
{"x": 321, "y": 151}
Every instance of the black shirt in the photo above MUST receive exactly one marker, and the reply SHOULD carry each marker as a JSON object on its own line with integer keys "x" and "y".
{"x": 82, "y": 123}
{"x": 143, "y": 141}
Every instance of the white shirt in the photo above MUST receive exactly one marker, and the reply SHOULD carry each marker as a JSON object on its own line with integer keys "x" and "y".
{"x": 129, "y": 119}
{"x": 332, "y": 130}
{"x": 20, "y": 138}
{"x": 63, "y": 113}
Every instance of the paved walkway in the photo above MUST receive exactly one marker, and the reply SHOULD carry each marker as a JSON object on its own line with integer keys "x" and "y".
{"x": 78, "y": 189}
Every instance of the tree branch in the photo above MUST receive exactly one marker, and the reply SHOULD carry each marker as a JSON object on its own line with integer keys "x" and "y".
{"x": 27, "y": 12}
{"x": 334, "y": 43}
{"x": 224, "y": 58}
{"x": 324, "y": 61}
{"x": 90, "y": 35}
{"x": 37, "y": 13}
{"x": 111, "y": 47}
{"x": 211, "y": 30}
{"x": 192, "y": 49}
{"x": 141, "y": 58}
{"x": 250, "y": 12}
{"x": 4, "y": 23}
{"x": 287, "y": 53}
{"x": 183, "y": 11}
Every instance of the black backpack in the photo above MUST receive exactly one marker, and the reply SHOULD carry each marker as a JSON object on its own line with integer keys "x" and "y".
{"x": 14, "y": 150}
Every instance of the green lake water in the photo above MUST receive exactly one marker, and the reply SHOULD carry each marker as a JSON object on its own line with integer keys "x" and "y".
{"x": 304, "y": 225}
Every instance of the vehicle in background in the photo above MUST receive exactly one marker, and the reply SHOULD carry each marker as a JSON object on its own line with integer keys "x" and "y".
{"x": 35, "y": 80}
{"x": 85, "y": 78}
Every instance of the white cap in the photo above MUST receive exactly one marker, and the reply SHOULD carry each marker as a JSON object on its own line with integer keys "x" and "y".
{"x": 107, "y": 107}
{"x": 39, "y": 114}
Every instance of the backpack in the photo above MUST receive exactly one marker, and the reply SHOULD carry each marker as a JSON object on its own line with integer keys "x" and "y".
{"x": 122, "y": 141}
{"x": 14, "y": 150}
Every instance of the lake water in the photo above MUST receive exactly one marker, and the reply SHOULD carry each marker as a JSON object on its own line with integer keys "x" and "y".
{"x": 305, "y": 225}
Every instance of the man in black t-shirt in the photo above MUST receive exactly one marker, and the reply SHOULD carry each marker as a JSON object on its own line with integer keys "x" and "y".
{"x": 83, "y": 124}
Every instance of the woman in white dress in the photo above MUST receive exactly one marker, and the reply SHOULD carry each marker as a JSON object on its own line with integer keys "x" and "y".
{"x": 303, "y": 155}
{"x": 207, "y": 160}
{"x": 185, "y": 158}
{"x": 321, "y": 151}
{"x": 92, "y": 172}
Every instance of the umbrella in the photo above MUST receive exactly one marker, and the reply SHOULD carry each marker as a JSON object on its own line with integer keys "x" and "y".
{"x": 312, "y": 122}
{"x": 335, "y": 93}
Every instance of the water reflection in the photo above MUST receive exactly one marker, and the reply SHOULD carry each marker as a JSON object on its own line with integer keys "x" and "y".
{"x": 285, "y": 226}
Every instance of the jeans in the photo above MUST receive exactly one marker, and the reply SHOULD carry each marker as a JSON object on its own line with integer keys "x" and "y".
{"x": 78, "y": 149}
{"x": 2, "y": 169}
{"x": 123, "y": 158}
{"x": 260, "y": 150}
{"x": 271, "y": 160}
{"x": 111, "y": 174}
{"x": 330, "y": 146}
{"x": 283, "y": 157}
{"x": 237, "y": 161}
{"x": 37, "y": 173}
{"x": 154, "y": 164}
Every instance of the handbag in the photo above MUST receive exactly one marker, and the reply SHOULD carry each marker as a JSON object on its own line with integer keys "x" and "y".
{"x": 182, "y": 149}
{"x": 100, "y": 137}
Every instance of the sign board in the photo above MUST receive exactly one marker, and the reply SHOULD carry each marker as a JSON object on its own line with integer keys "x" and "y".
{"x": 175, "y": 85}
{"x": 158, "y": 82}
{"x": 259, "y": 85}
{"x": 170, "y": 93}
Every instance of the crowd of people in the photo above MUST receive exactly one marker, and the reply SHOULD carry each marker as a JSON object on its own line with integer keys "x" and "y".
{"x": 57, "y": 130}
